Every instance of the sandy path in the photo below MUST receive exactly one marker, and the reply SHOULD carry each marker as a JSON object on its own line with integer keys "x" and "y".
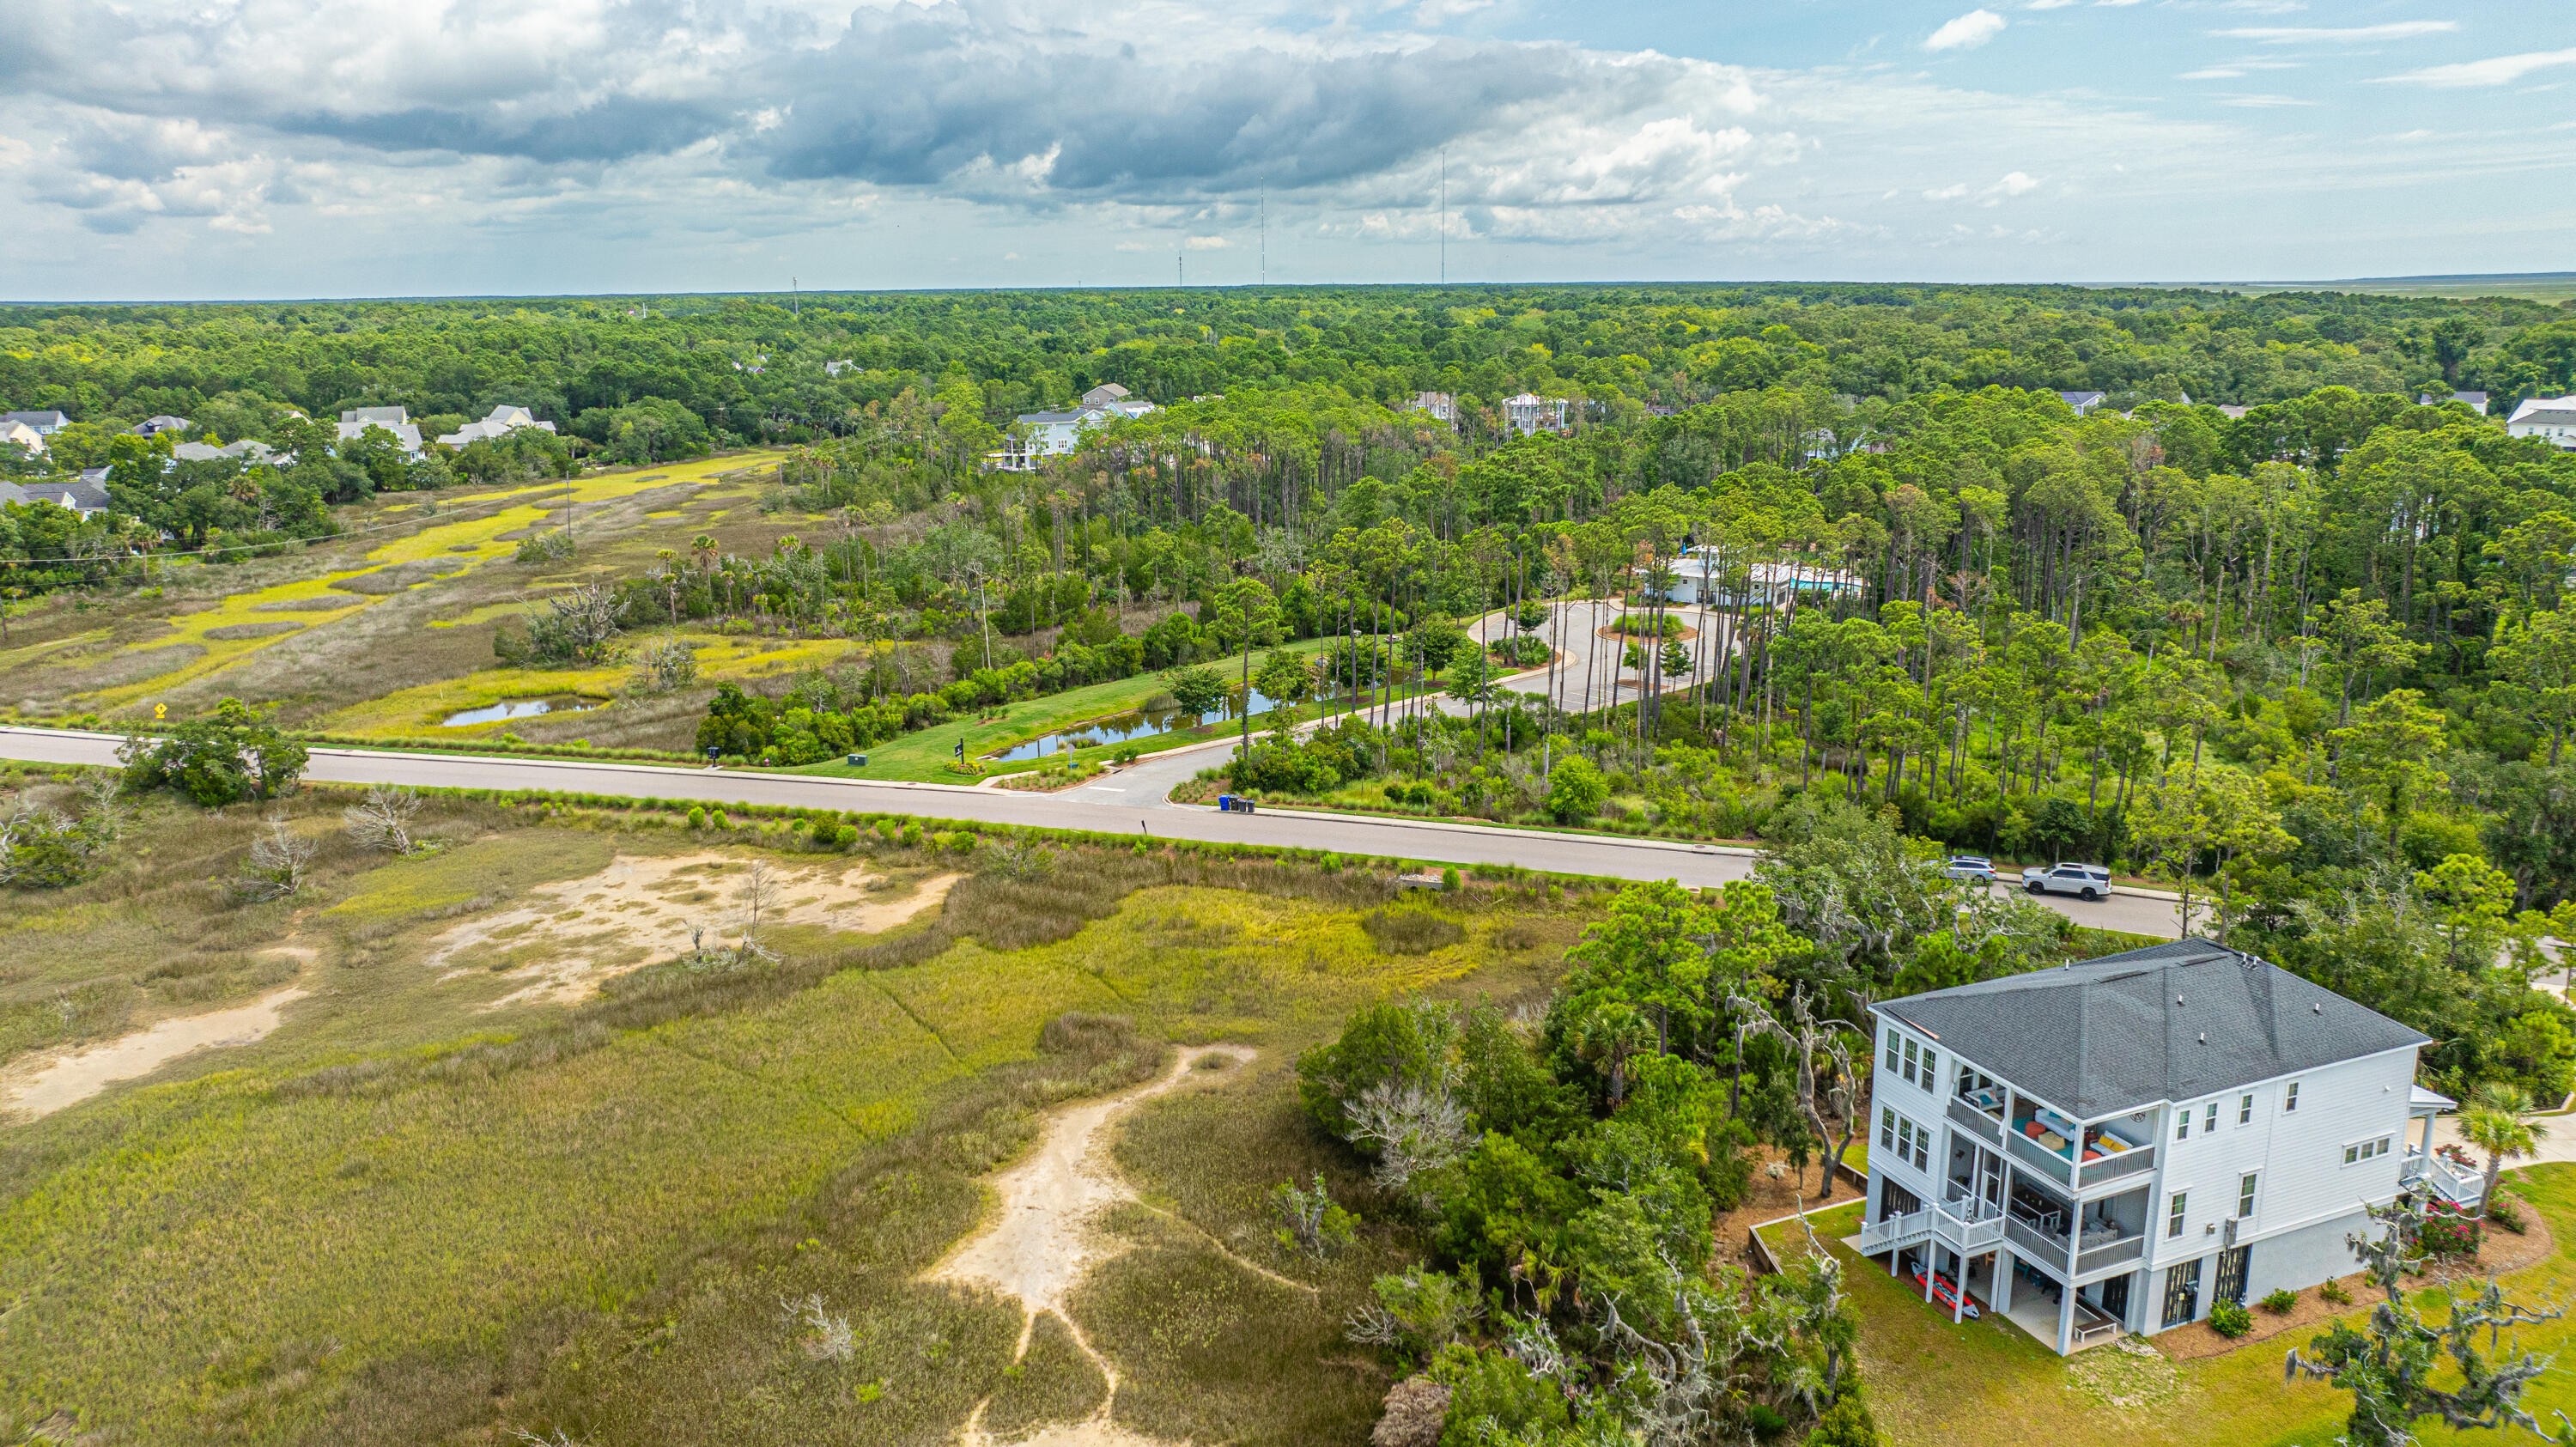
{"x": 75, "y": 1078}
{"x": 1044, "y": 1236}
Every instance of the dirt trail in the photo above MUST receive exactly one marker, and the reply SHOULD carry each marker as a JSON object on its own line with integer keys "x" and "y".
{"x": 1044, "y": 1237}
{"x": 75, "y": 1078}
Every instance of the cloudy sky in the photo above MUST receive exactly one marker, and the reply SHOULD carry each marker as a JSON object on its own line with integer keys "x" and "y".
{"x": 282, "y": 148}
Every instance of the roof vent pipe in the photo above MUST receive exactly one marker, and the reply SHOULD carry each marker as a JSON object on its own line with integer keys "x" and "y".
{"x": 2204, "y": 1037}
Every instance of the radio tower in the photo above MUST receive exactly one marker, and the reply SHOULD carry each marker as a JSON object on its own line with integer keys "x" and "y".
{"x": 1444, "y": 215}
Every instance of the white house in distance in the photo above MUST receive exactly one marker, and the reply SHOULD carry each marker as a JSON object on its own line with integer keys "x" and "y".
{"x": 88, "y": 496}
{"x": 354, "y": 423}
{"x": 504, "y": 418}
{"x": 2474, "y": 401}
{"x": 19, "y": 434}
{"x": 2553, "y": 418}
{"x": 2084, "y": 402}
{"x": 2118, "y": 1145}
{"x": 1051, "y": 434}
{"x": 1529, "y": 413}
{"x": 1442, "y": 406}
{"x": 1701, "y": 577}
{"x": 43, "y": 424}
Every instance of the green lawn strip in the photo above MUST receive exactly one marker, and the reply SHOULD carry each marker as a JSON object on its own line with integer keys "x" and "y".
{"x": 1987, "y": 1382}
{"x": 926, "y": 754}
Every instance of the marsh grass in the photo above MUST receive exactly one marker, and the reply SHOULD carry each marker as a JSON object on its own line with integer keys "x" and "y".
{"x": 1411, "y": 930}
{"x": 399, "y": 1220}
{"x": 1054, "y": 1382}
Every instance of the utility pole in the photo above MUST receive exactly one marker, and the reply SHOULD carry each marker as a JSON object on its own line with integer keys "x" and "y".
{"x": 1444, "y": 215}
{"x": 1265, "y": 240}
{"x": 1180, "y": 269}
{"x": 793, "y": 298}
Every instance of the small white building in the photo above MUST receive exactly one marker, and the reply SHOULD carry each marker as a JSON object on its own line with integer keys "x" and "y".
{"x": 2553, "y": 418}
{"x": 155, "y": 426}
{"x": 1052, "y": 434}
{"x": 19, "y": 434}
{"x": 2121, "y": 1144}
{"x": 88, "y": 497}
{"x": 1701, "y": 577}
{"x": 504, "y": 418}
{"x": 354, "y": 424}
{"x": 1529, "y": 413}
{"x": 1442, "y": 406}
{"x": 2084, "y": 402}
{"x": 2474, "y": 401}
{"x": 248, "y": 449}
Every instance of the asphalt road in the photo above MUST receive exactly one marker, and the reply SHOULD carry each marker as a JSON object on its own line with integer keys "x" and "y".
{"x": 1096, "y": 808}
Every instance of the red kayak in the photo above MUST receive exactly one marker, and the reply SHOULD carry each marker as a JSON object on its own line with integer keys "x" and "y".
{"x": 1946, "y": 1292}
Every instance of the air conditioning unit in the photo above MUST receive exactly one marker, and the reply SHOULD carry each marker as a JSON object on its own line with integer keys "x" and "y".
{"x": 2231, "y": 1231}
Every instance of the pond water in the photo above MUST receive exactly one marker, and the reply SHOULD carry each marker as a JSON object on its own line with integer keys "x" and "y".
{"x": 521, "y": 708}
{"x": 1121, "y": 728}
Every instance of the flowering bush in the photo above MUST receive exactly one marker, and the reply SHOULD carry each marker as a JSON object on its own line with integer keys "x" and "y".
{"x": 2449, "y": 1236}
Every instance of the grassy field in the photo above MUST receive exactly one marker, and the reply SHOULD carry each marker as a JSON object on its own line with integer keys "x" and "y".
{"x": 427, "y": 1208}
{"x": 1986, "y": 1382}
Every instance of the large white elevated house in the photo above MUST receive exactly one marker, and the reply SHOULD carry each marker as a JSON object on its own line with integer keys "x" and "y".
{"x": 2123, "y": 1143}
{"x": 1042, "y": 435}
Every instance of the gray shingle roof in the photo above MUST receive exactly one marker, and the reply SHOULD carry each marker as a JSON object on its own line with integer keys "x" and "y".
{"x": 2169, "y": 1022}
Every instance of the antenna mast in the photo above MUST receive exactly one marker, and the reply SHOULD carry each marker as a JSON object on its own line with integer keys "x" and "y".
{"x": 1444, "y": 215}
{"x": 1265, "y": 240}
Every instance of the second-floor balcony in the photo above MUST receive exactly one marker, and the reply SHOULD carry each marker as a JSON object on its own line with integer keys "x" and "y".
{"x": 2105, "y": 1233}
{"x": 2056, "y": 1157}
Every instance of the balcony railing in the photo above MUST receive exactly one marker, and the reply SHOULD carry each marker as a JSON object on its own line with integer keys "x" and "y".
{"x": 2037, "y": 1245}
{"x": 2048, "y": 1163}
{"x": 1976, "y": 1122}
{"x": 2126, "y": 1163}
{"x": 2112, "y": 1254}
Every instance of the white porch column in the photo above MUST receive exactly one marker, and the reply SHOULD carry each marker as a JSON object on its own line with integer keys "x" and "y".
{"x": 2003, "y": 1279}
{"x": 2066, "y": 1321}
{"x": 1959, "y": 1302}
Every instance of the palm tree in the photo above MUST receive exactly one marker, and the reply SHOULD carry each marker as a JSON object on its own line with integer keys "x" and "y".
{"x": 2494, "y": 1124}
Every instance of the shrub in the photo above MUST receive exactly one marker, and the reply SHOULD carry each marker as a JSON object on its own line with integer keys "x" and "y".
{"x": 223, "y": 758}
{"x": 2280, "y": 1302}
{"x": 2449, "y": 1236}
{"x": 1847, "y": 1423}
{"x": 2333, "y": 1291}
{"x": 1411, "y": 931}
{"x": 551, "y": 546}
{"x": 697, "y": 818}
{"x": 2230, "y": 1319}
{"x": 721, "y": 821}
{"x": 1575, "y": 791}
{"x": 2502, "y": 1212}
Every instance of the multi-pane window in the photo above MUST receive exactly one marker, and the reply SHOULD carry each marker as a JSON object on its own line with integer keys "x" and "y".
{"x": 1886, "y": 1128}
{"x": 2210, "y": 1122}
{"x": 2369, "y": 1150}
{"x": 2182, "y": 1124}
{"x": 2174, "y": 1213}
{"x": 1912, "y": 1142}
{"x": 2245, "y": 1110}
{"x": 2290, "y": 1098}
{"x": 1892, "y": 1057}
{"x": 2245, "y": 1196}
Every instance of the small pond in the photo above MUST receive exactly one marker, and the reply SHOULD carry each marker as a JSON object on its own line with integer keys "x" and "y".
{"x": 1119, "y": 728}
{"x": 521, "y": 708}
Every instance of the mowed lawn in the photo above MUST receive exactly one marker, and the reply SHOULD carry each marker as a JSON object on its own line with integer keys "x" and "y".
{"x": 1987, "y": 1384}
{"x": 219, "y": 1259}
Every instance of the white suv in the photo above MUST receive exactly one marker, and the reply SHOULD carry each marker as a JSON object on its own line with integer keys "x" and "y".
{"x": 2087, "y": 881}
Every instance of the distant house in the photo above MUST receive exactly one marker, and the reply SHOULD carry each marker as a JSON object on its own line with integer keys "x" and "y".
{"x": 46, "y": 424}
{"x": 1700, "y": 576}
{"x": 21, "y": 435}
{"x": 1052, "y": 434}
{"x": 2552, "y": 418}
{"x": 1442, "y": 406}
{"x": 86, "y": 497}
{"x": 2474, "y": 401}
{"x": 2231, "y": 411}
{"x": 155, "y": 426}
{"x": 246, "y": 449}
{"x": 834, "y": 369}
{"x": 354, "y": 423}
{"x": 2083, "y": 402}
{"x": 504, "y": 418}
{"x": 1529, "y": 413}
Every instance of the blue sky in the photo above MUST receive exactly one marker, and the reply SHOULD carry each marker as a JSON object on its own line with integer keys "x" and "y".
{"x": 254, "y": 148}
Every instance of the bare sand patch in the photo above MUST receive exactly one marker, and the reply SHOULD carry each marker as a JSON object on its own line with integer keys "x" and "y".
{"x": 47, "y": 1088}
{"x": 569, "y": 936}
{"x": 1042, "y": 1236}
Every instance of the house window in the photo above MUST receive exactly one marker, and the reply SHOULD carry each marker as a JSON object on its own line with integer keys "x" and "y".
{"x": 1931, "y": 1070}
{"x": 1887, "y": 1128}
{"x": 2245, "y": 1111}
{"x": 2245, "y": 1197}
{"x": 2290, "y": 1098}
{"x": 2182, "y": 1124}
{"x": 2174, "y": 1214}
{"x": 1922, "y": 1150}
{"x": 2369, "y": 1150}
{"x": 2210, "y": 1123}
{"x": 1908, "y": 1071}
{"x": 1891, "y": 1050}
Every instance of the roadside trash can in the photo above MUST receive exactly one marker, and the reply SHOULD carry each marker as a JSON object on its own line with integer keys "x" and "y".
{"x": 858, "y": 761}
